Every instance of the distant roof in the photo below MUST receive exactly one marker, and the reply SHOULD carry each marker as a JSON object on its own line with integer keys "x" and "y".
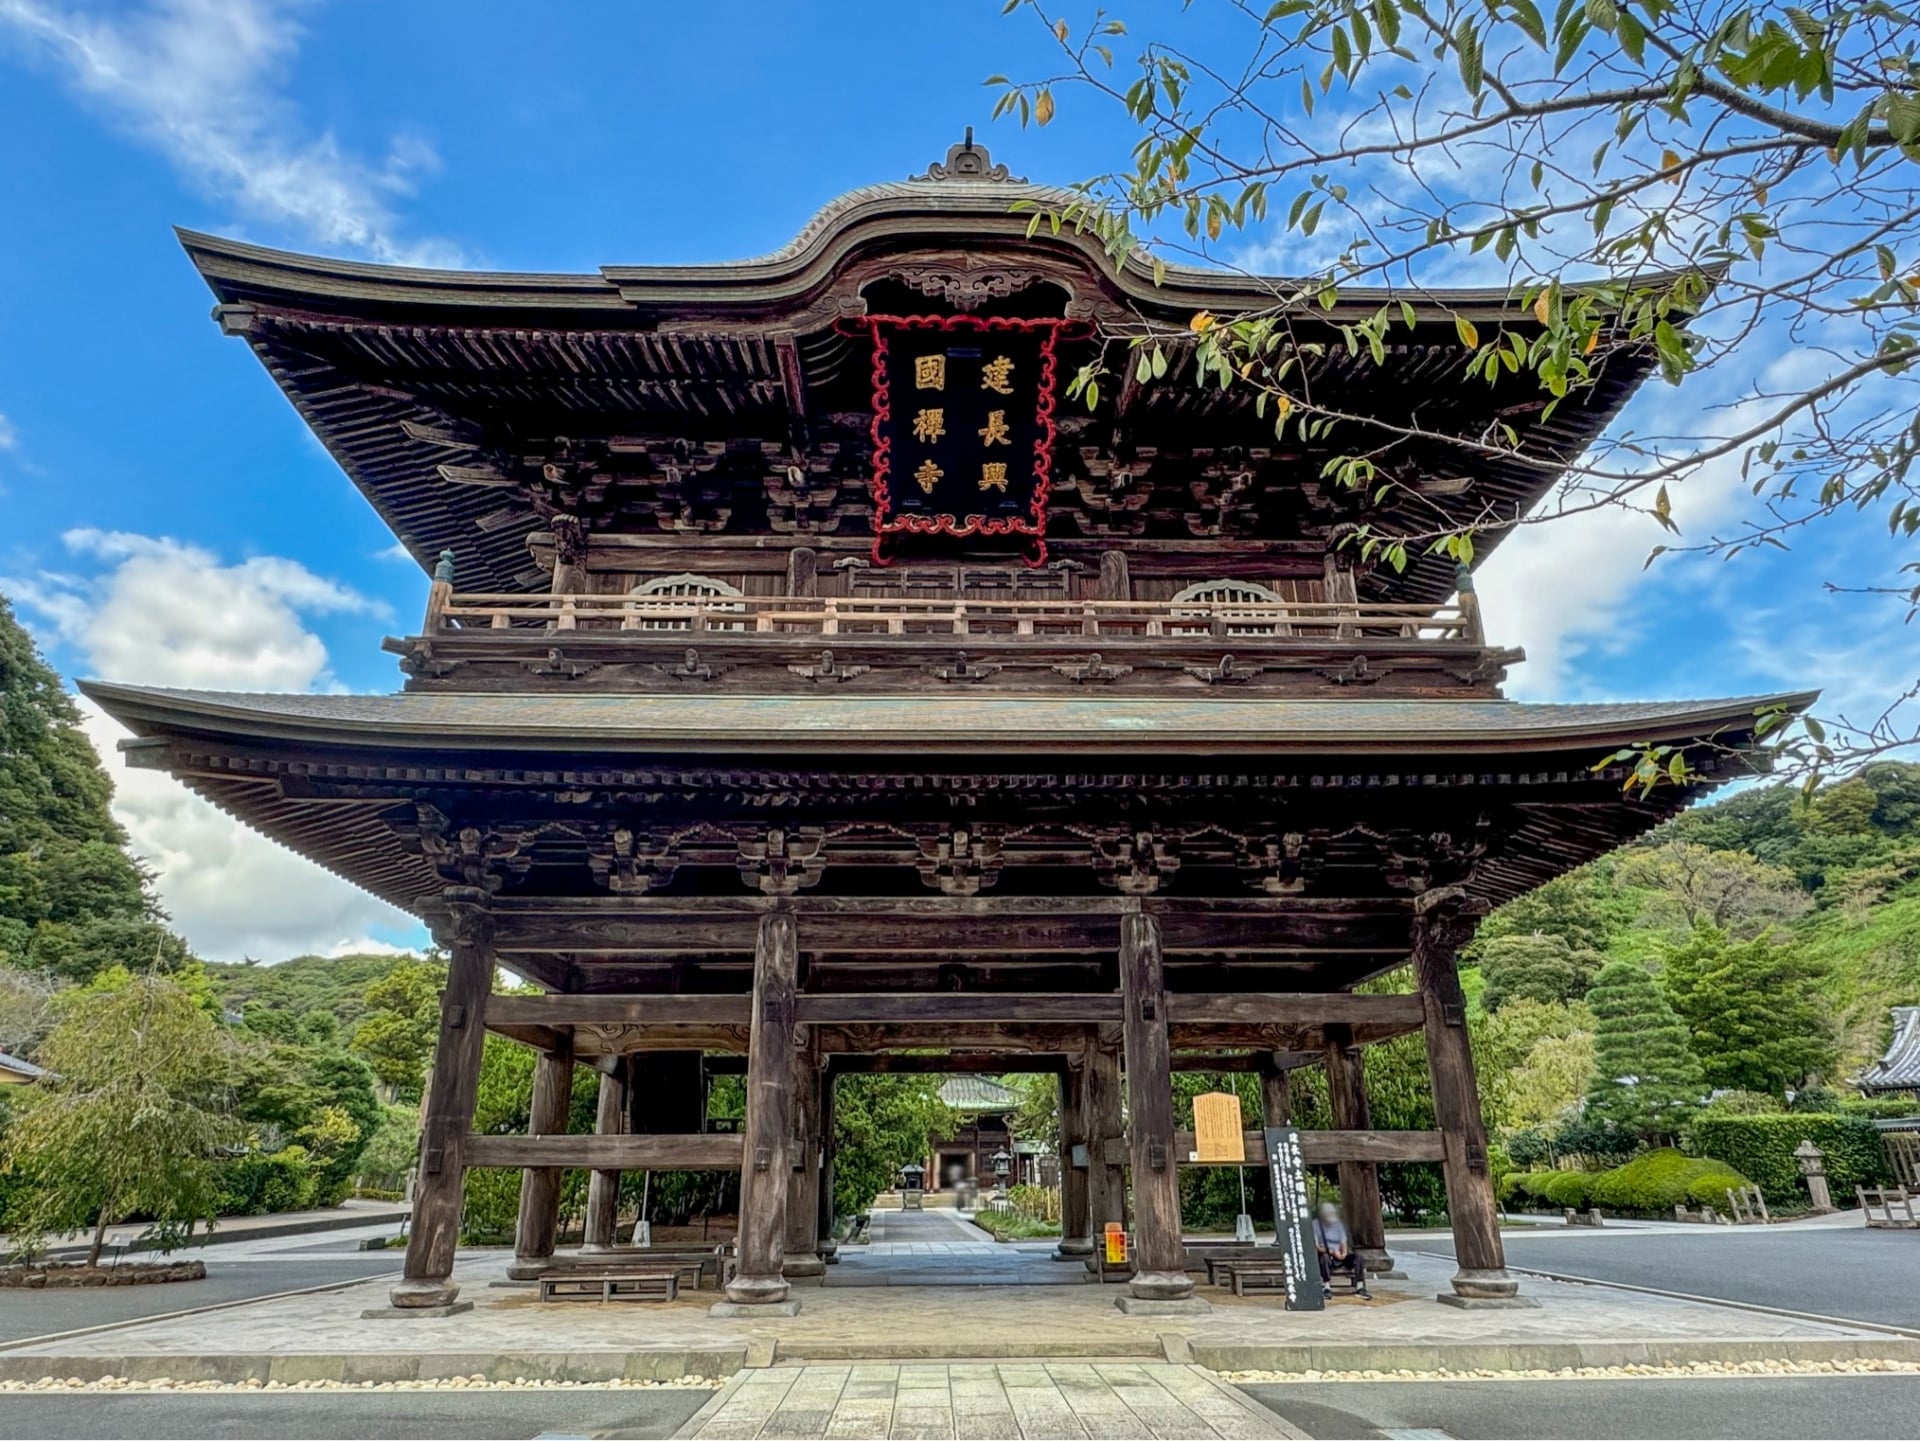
{"x": 978, "y": 1093}
{"x": 16, "y": 1072}
{"x": 1899, "y": 1069}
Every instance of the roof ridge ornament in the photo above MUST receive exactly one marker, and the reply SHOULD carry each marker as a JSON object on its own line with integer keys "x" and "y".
{"x": 967, "y": 161}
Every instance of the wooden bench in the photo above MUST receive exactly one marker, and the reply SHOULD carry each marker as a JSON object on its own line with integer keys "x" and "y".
{"x": 697, "y": 1264}
{"x": 1884, "y": 1201}
{"x": 596, "y": 1285}
{"x": 1243, "y": 1273}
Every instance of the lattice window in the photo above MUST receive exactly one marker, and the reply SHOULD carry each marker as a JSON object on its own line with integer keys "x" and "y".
{"x": 1216, "y": 600}
{"x": 699, "y": 589}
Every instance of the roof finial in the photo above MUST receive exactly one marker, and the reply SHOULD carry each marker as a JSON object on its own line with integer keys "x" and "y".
{"x": 968, "y": 161}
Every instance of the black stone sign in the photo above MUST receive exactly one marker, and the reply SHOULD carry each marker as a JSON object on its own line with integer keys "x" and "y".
{"x": 1293, "y": 1219}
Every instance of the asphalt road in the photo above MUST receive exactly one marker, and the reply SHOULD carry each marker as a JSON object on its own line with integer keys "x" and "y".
{"x": 25, "y": 1314}
{"x": 1756, "y": 1407}
{"x": 425, "y": 1414}
{"x": 1832, "y": 1271}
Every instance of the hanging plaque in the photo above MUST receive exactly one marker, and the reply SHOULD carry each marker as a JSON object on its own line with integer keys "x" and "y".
{"x": 1218, "y": 1133}
{"x": 1293, "y": 1219}
{"x": 963, "y": 428}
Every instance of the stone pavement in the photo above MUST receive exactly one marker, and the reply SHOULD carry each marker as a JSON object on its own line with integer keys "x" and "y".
{"x": 510, "y": 1333}
{"x": 1055, "y": 1399}
{"x": 943, "y": 1248}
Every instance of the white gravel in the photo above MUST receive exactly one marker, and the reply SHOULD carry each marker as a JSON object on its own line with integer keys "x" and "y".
{"x": 475, "y": 1382}
{"x": 1694, "y": 1369}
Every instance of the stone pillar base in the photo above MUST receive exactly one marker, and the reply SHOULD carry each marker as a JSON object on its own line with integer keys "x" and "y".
{"x": 1474, "y": 1290}
{"x": 1376, "y": 1261}
{"x": 752, "y": 1311}
{"x": 421, "y": 1293}
{"x": 414, "y": 1313}
{"x": 758, "y": 1291}
{"x": 528, "y": 1268}
{"x": 1162, "y": 1305}
{"x": 1160, "y": 1286}
{"x": 1073, "y": 1248}
{"x": 803, "y": 1264}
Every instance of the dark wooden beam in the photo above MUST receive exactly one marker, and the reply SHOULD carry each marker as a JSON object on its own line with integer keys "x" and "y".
{"x": 564, "y": 1010}
{"x": 952, "y": 1063}
{"x": 1323, "y": 1148}
{"x": 1296, "y": 1009}
{"x": 713, "y": 1152}
{"x": 1243, "y": 1062}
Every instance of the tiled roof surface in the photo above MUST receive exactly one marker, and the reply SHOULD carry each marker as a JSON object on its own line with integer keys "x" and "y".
{"x": 977, "y": 1093}
{"x": 1899, "y": 1069}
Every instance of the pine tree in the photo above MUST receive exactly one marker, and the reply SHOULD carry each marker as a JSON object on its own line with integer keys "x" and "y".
{"x": 1759, "y": 1022}
{"x": 1535, "y": 967}
{"x": 1646, "y": 1076}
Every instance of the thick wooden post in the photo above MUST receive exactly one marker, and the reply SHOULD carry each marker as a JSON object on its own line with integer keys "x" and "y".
{"x": 1160, "y": 1256}
{"x": 1106, "y": 1182}
{"x": 829, "y": 1245}
{"x": 1359, "y": 1180}
{"x": 539, "y": 1218}
{"x": 465, "y": 928}
{"x": 1276, "y": 1094}
{"x": 763, "y": 1176}
{"x": 803, "y": 1179}
{"x": 603, "y": 1187}
{"x": 1076, "y": 1228}
{"x": 1442, "y": 921}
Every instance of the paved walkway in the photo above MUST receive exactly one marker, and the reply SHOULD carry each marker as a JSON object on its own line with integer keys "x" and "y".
{"x": 942, "y": 1248}
{"x": 1058, "y": 1399}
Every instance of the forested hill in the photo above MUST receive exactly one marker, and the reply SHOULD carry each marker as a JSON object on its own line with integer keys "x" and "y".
{"x": 1782, "y": 928}
{"x": 336, "y": 985}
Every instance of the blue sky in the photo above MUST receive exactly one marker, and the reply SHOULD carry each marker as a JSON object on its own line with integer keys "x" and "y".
{"x": 164, "y": 516}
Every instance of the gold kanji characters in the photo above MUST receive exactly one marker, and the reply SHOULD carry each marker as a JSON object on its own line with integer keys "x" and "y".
{"x": 928, "y": 476}
{"x": 997, "y": 375}
{"x": 930, "y": 372}
{"x": 930, "y": 424}
{"x": 995, "y": 431}
{"x": 993, "y": 475}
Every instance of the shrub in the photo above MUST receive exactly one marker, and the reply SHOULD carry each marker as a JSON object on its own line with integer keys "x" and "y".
{"x": 260, "y": 1184}
{"x": 1762, "y": 1147}
{"x": 1660, "y": 1180}
{"x": 1568, "y": 1188}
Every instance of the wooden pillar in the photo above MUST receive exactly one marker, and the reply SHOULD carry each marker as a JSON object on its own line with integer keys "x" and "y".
{"x": 1160, "y": 1256}
{"x": 1106, "y": 1182}
{"x": 539, "y": 1217}
{"x": 769, "y": 1127}
{"x": 603, "y": 1187}
{"x": 829, "y": 1246}
{"x": 1443, "y": 920}
{"x": 803, "y": 1179}
{"x": 1276, "y": 1094}
{"x": 464, "y": 927}
{"x": 1359, "y": 1180}
{"x": 1076, "y": 1226}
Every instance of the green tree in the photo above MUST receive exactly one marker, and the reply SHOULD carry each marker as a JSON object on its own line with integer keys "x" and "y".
{"x": 1758, "y": 1019}
{"x": 1646, "y": 1078}
{"x": 401, "y": 1023}
{"x": 1691, "y": 886}
{"x": 1582, "y": 908}
{"x": 1534, "y": 968}
{"x": 1739, "y": 173}
{"x": 132, "y": 1120}
{"x": 880, "y": 1123}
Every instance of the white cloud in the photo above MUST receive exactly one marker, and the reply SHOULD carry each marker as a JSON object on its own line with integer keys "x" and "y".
{"x": 198, "y": 81}
{"x": 9, "y": 437}
{"x": 368, "y": 946}
{"x": 151, "y": 610}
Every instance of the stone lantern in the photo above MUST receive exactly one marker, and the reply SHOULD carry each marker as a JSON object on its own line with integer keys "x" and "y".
{"x": 911, "y": 1193}
{"x": 1813, "y": 1166}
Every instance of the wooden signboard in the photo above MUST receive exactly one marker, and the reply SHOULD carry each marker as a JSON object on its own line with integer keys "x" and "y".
{"x": 1218, "y": 1134}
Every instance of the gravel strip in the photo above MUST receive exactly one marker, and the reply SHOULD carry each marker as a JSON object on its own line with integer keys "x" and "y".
{"x": 1693, "y": 1369}
{"x": 475, "y": 1382}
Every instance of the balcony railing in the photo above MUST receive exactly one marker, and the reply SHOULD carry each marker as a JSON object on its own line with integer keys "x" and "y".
{"x": 452, "y": 612}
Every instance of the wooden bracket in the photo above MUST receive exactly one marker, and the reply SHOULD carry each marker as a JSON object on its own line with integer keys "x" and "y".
{"x": 762, "y": 1158}
{"x": 456, "y": 1016}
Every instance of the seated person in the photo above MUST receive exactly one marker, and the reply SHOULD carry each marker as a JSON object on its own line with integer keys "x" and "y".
{"x": 1335, "y": 1248}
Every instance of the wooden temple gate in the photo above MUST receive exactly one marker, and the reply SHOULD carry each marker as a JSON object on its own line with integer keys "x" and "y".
{"x": 821, "y": 685}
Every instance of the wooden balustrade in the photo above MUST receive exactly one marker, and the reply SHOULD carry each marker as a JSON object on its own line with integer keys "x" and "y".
{"x": 895, "y": 616}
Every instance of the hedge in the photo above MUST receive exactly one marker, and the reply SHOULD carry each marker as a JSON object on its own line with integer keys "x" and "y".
{"x": 258, "y": 1185}
{"x": 1660, "y": 1180}
{"x": 1568, "y": 1188}
{"x": 1762, "y": 1148}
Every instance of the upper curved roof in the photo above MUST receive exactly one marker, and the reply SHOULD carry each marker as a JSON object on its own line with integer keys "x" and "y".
{"x": 385, "y": 363}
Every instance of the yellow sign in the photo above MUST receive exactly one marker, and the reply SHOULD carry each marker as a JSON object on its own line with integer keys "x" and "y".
{"x": 1217, "y": 1131}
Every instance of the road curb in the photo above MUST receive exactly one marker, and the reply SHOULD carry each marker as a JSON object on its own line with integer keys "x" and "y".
{"x": 277, "y": 1232}
{"x": 1538, "y": 1355}
{"x": 664, "y": 1363}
